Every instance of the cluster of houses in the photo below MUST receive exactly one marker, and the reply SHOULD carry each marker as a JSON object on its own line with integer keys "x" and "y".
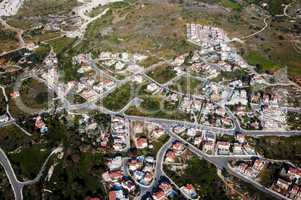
{"x": 177, "y": 148}
{"x": 90, "y": 84}
{"x": 206, "y": 35}
{"x": 248, "y": 118}
{"x": 119, "y": 185}
{"x": 217, "y": 53}
{"x": 289, "y": 183}
{"x": 261, "y": 112}
{"x": 142, "y": 169}
{"x": 250, "y": 168}
{"x": 119, "y": 62}
{"x": 173, "y": 156}
{"x": 120, "y": 133}
{"x": 238, "y": 97}
{"x": 210, "y": 144}
{"x": 206, "y": 112}
{"x": 273, "y": 117}
{"x": 201, "y": 110}
{"x": 144, "y": 134}
{"x": 163, "y": 191}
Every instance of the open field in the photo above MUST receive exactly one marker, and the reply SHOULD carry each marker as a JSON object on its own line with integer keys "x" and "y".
{"x": 188, "y": 85}
{"x": 156, "y": 29}
{"x": 11, "y": 137}
{"x": 163, "y": 73}
{"x": 61, "y": 44}
{"x": 279, "y": 148}
{"x": 34, "y": 12}
{"x": 119, "y": 98}
{"x": 201, "y": 175}
{"x": 8, "y": 40}
{"x": 28, "y": 162}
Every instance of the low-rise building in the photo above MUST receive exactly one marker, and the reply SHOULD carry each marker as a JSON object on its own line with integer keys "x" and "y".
{"x": 259, "y": 164}
{"x": 170, "y": 156}
{"x": 223, "y": 148}
{"x": 141, "y": 143}
{"x": 294, "y": 173}
{"x": 190, "y": 191}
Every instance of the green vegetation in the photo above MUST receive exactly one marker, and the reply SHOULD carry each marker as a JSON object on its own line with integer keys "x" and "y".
{"x": 29, "y": 160}
{"x": 34, "y": 12}
{"x": 96, "y": 11}
{"x": 2, "y": 103}
{"x": 41, "y": 52}
{"x": 268, "y": 175}
{"x": 6, "y": 192}
{"x": 246, "y": 188}
{"x": 261, "y": 62}
{"x": 188, "y": 85}
{"x": 8, "y": 40}
{"x": 40, "y": 36}
{"x": 81, "y": 173}
{"x": 151, "y": 103}
{"x": 293, "y": 120}
{"x": 119, "y": 98}
{"x": 163, "y": 73}
{"x": 11, "y": 137}
{"x": 35, "y": 94}
{"x": 136, "y": 111}
{"x": 158, "y": 143}
{"x": 280, "y": 148}
{"x": 139, "y": 29}
{"x": 203, "y": 177}
{"x": 156, "y": 106}
{"x": 75, "y": 98}
{"x": 231, "y": 4}
{"x": 61, "y": 44}
{"x": 231, "y": 76}
{"x": 149, "y": 61}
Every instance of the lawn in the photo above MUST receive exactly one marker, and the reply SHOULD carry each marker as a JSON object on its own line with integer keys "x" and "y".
{"x": 41, "y": 52}
{"x": 293, "y": 120}
{"x": 158, "y": 143}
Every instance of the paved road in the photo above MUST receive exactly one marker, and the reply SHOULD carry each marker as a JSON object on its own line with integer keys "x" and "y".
{"x": 223, "y": 163}
{"x": 16, "y": 185}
